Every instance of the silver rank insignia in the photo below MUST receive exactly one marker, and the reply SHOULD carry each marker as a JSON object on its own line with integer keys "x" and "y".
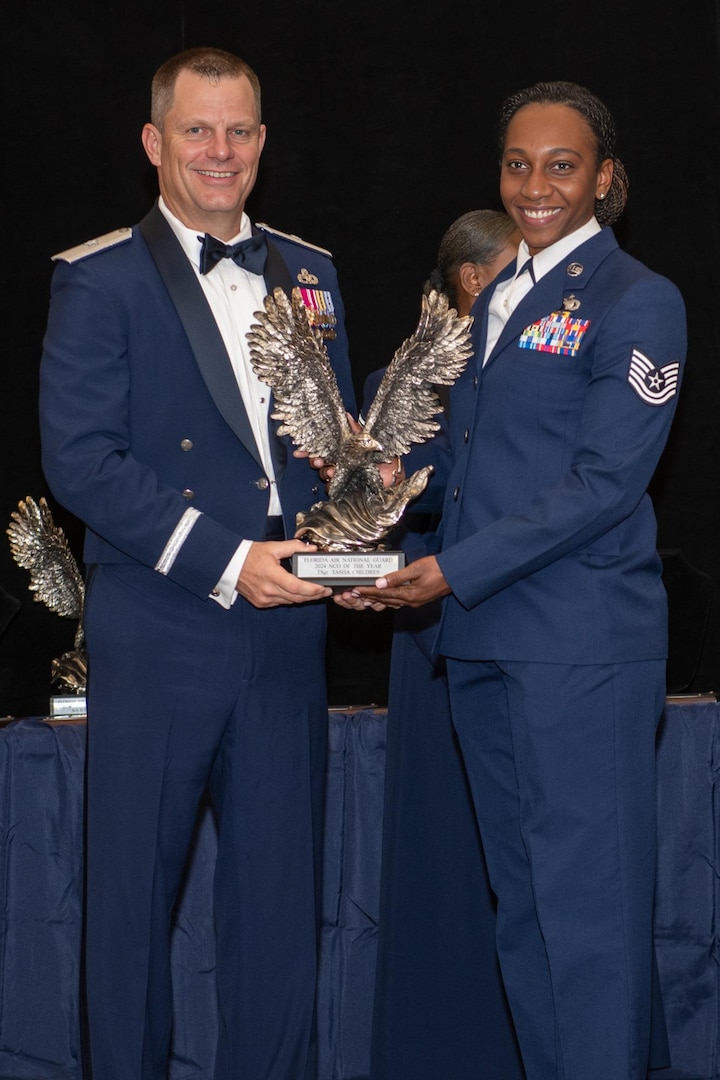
{"x": 91, "y": 247}
{"x": 654, "y": 385}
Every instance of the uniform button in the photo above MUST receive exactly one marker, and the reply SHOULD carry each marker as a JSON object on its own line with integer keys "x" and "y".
{"x": 215, "y": 592}
{"x": 475, "y": 383}
{"x": 263, "y": 483}
{"x": 188, "y": 494}
{"x": 186, "y": 444}
{"x": 456, "y": 492}
{"x": 466, "y": 434}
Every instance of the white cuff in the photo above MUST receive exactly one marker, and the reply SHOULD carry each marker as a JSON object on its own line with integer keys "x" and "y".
{"x": 224, "y": 592}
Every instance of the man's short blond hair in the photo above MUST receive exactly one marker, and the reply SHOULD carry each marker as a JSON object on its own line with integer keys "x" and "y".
{"x": 209, "y": 63}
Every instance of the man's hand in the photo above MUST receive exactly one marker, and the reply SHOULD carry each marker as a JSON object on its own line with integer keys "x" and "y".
{"x": 417, "y": 584}
{"x": 265, "y": 583}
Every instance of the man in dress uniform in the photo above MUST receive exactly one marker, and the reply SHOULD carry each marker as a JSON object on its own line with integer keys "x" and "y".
{"x": 205, "y": 653}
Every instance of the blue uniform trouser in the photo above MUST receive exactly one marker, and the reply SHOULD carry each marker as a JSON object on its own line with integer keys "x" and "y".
{"x": 561, "y": 762}
{"x": 184, "y": 695}
{"x": 440, "y": 1007}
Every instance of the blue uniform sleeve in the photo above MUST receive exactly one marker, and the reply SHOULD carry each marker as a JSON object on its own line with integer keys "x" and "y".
{"x": 85, "y": 392}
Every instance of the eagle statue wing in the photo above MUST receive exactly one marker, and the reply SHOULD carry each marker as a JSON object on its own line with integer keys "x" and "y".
{"x": 287, "y": 353}
{"x": 404, "y": 407}
{"x": 40, "y": 546}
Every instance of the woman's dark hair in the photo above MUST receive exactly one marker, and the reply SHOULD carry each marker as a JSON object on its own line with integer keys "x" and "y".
{"x": 597, "y": 117}
{"x": 476, "y": 237}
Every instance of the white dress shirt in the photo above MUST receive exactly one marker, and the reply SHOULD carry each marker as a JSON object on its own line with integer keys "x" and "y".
{"x": 234, "y": 295}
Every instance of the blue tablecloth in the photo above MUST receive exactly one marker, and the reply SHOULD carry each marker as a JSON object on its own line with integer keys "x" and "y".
{"x": 41, "y": 781}
{"x": 687, "y": 916}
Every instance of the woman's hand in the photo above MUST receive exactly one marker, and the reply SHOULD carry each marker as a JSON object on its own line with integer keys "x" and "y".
{"x": 415, "y": 585}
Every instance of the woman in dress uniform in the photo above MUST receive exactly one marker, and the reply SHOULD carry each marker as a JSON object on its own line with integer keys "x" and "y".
{"x": 554, "y": 626}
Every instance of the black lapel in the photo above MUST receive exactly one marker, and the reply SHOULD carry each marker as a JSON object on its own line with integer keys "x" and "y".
{"x": 199, "y": 325}
{"x": 277, "y": 274}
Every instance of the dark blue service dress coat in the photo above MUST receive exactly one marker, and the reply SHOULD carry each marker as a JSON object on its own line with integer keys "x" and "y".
{"x": 146, "y": 439}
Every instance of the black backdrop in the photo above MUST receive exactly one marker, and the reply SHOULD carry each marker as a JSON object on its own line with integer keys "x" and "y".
{"x": 380, "y": 119}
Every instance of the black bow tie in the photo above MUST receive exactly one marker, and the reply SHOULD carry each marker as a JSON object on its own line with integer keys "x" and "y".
{"x": 249, "y": 254}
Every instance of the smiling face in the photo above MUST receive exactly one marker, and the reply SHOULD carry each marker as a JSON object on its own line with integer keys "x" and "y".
{"x": 549, "y": 175}
{"x": 207, "y": 152}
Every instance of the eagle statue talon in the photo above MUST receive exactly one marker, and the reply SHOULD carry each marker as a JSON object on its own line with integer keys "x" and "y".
{"x": 359, "y": 521}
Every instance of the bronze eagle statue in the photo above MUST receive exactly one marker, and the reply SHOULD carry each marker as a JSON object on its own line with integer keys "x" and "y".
{"x": 39, "y": 545}
{"x": 288, "y": 355}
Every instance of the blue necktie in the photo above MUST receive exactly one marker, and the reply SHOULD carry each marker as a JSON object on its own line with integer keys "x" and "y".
{"x": 528, "y": 265}
{"x": 249, "y": 254}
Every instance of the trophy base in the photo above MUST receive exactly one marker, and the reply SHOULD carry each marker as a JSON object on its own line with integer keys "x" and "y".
{"x": 68, "y": 707}
{"x": 343, "y": 569}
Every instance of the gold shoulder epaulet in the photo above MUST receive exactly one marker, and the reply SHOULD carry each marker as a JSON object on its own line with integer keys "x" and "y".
{"x": 91, "y": 247}
{"x": 293, "y": 238}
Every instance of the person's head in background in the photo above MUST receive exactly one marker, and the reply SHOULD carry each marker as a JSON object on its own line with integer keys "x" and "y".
{"x": 473, "y": 251}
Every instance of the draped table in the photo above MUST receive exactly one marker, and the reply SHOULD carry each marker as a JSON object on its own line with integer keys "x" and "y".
{"x": 41, "y": 844}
